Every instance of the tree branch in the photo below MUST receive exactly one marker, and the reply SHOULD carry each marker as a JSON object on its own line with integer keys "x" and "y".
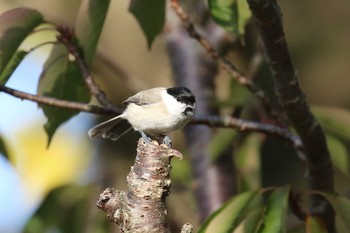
{"x": 211, "y": 121}
{"x": 225, "y": 64}
{"x": 269, "y": 23}
{"x": 142, "y": 207}
{"x": 246, "y": 125}
{"x": 61, "y": 103}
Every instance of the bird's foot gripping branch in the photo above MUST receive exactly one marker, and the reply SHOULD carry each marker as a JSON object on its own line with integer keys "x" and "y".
{"x": 142, "y": 207}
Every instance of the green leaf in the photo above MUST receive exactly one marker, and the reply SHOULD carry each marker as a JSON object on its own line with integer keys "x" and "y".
{"x": 229, "y": 216}
{"x": 341, "y": 206}
{"x": 232, "y": 15}
{"x": 334, "y": 121}
{"x": 314, "y": 225}
{"x": 61, "y": 79}
{"x": 276, "y": 211}
{"x": 244, "y": 14}
{"x": 252, "y": 221}
{"x": 89, "y": 24}
{"x": 12, "y": 65}
{"x": 225, "y": 13}
{"x": 150, "y": 15}
{"x": 15, "y": 26}
{"x": 339, "y": 154}
{"x": 3, "y": 149}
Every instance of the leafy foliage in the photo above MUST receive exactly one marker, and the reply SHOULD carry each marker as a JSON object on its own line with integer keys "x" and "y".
{"x": 150, "y": 15}
{"x": 276, "y": 211}
{"x": 89, "y": 24}
{"x": 60, "y": 79}
{"x": 230, "y": 215}
{"x": 241, "y": 209}
{"x": 232, "y": 15}
{"x": 15, "y": 26}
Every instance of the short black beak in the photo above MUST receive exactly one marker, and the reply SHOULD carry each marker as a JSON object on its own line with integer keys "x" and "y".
{"x": 189, "y": 109}
{"x": 191, "y": 105}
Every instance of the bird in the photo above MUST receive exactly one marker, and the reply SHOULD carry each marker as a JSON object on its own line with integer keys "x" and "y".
{"x": 153, "y": 112}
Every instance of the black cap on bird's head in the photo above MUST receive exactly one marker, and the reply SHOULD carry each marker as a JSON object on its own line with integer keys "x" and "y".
{"x": 182, "y": 94}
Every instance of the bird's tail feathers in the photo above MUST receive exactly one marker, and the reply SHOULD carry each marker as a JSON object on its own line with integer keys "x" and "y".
{"x": 112, "y": 129}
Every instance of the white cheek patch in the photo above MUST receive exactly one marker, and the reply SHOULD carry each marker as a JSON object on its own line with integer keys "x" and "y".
{"x": 172, "y": 105}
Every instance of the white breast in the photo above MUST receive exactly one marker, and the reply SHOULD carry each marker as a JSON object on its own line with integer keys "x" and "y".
{"x": 158, "y": 118}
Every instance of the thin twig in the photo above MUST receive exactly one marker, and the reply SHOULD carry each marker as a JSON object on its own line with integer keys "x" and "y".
{"x": 225, "y": 64}
{"x": 67, "y": 38}
{"x": 60, "y": 103}
{"x": 250, "y": 126}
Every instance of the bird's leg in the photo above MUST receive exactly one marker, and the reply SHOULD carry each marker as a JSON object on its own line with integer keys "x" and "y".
{"x": 145, "y": 138}
{"x": 167, "y": 141}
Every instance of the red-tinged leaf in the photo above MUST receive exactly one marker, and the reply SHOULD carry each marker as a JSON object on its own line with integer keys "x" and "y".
{"x": 150, "y": 15}
{"x": 15, "y": 26}
{"x": 314, "y": 225}
{"x": 61, "y": 79}
{"x": 89, "y": 24}
{"x": 230, "y": 215}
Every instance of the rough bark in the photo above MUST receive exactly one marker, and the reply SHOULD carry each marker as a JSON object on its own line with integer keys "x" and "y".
{"x": 143, "y": 207}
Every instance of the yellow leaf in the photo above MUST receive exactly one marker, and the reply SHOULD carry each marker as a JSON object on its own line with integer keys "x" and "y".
{"x": 43, "y": 170}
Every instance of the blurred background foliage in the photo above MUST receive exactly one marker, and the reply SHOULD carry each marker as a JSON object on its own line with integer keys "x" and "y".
{"x": 63, "y": 182}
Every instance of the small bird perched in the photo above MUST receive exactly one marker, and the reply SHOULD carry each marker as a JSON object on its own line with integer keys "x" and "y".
{"x": 153, "y": 112}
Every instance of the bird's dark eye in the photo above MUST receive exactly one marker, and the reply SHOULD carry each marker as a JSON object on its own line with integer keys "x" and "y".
{"x": 178, "y": 98}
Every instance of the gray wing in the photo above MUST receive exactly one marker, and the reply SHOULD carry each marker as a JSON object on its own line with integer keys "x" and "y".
{"x": 149, "y": 96}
